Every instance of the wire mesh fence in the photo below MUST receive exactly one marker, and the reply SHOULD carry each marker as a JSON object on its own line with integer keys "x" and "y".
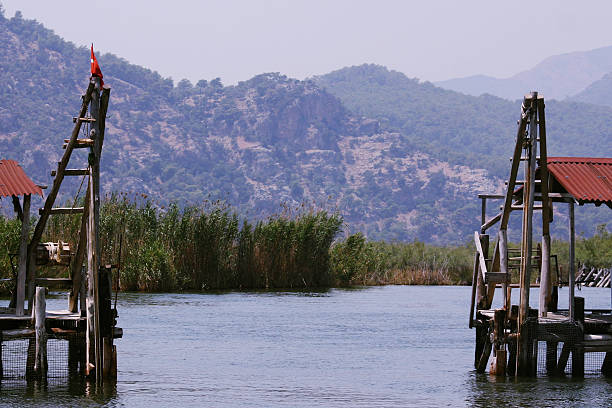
{"x": 65, "y": 357}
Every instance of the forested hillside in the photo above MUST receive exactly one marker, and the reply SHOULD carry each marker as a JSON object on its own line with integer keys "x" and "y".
{"x": 398, "y": 159}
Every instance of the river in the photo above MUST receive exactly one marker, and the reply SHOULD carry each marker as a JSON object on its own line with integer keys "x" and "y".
{"x": 389, "y": 346}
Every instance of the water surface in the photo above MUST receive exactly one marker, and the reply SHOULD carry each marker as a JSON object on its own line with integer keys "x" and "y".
{"x": 391, "y": 346}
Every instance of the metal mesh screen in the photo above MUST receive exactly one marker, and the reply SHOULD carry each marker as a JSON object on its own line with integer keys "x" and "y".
{"x": 592, "y": 361}
{"x": 64, "y": 357}
{"x": 556, "y": 343}
{"x": 15, "y": 358}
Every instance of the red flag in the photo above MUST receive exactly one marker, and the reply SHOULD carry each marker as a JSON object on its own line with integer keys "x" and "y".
{"x": 95, "y": 68}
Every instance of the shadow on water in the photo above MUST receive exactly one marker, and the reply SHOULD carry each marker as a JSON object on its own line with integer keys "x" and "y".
{"x": 57, "y": 392}
{"x": 487, "y": 391}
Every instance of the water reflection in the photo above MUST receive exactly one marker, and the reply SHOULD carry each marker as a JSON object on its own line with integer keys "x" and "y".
{"x": 488, "y": 391}
{"x": 55, "y": 392}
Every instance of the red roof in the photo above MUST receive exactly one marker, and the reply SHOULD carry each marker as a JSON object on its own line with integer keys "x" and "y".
{"x": 588, "y": 179}
{"x": 14, "y": 181}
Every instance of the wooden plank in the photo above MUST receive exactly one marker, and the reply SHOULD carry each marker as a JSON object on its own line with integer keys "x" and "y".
{"x": 82, "y": 119}
{"x": 481, "y": 257}
{"x": 55, "y": 283}
{"x": 18, "y": 334}
{"x": 474, "y": 284}
{"x": 23, "y": 257}
{"x": 63, "y": 210}
{"x": 72, "y": 172}
{"x": 80, "y": 144}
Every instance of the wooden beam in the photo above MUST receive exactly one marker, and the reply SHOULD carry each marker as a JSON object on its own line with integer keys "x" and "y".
{"x": 17, "y": 207}
{"x": 23, "y": 256}
{"x": 63, "y": 210}
{"x": 72, "y": 172}
{"x": 55, "y": 283}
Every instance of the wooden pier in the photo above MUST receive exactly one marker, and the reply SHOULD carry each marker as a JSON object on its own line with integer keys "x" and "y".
{"x": 510, "y": 336}
{"x": 88, "y": 324}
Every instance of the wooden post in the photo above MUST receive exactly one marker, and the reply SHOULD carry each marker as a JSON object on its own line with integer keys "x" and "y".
{"x": 1, "y": 367}
{"x": 483, "y": 211}
{"x": 40, "y": 361}
{"x": 23, "y": 256}
{"x": 572, "y": 260}
{"x": 525, "y": 341}
{"x": 578, "y": 351}
{"x": 503, "y": 265}
{"x": 94, "y": 341}
{"x": 545, "y": 274}
{"x": 545, "y": 277}
{"x": 606, "y": 367}
{"x": 498, "y": 366}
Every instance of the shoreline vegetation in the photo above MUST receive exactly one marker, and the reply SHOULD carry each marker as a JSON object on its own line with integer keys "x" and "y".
{"x": 210, "y": 247}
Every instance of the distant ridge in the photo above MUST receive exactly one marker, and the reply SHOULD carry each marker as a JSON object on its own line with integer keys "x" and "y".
{"x": 556, "y": 77}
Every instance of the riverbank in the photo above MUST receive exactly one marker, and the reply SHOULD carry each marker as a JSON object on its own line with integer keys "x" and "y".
{"x": 211, "y": 248}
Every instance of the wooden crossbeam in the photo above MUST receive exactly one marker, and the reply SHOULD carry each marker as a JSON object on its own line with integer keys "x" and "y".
{"x": 72, "y": 172}
{"x": 62, "y": 210}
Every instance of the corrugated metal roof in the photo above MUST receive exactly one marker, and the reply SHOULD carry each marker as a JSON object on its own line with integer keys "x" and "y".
{"x": 588, "y": 179}
{"x": 14, "y": 181}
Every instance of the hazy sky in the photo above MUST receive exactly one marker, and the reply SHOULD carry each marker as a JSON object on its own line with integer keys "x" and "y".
{"x": 234, "y": 40}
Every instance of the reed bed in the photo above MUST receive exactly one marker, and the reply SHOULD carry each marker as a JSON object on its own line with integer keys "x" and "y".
{"x": 210, "y": 247}
{"x": 359, "y": 262}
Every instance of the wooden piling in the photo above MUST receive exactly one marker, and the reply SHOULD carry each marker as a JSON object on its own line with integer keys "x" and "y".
{"x": 498, "y": 367}
{"x": 606, "y": 367}
{"x": 503, "y": 266}
{"x": 40, "y": 317}
{"x": 578, "y": 351}
{"x": 572, "y": 260}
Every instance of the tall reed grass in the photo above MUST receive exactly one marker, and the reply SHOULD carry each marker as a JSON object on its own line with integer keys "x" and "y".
{"x": 210, "y": 247}
{"x": 356, "y": 261}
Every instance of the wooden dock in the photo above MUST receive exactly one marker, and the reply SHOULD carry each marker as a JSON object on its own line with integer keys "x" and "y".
{"x": 512, "y": 333}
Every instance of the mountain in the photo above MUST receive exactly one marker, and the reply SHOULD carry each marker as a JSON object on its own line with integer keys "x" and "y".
{"x": 266, "y": 141}
{"x": 599, "y": 92}
{"x": 472, "y": 131}
{"x": 556, "y": 77}
{"x": 399, "y": 159}
{"x": 475, "y": 132}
